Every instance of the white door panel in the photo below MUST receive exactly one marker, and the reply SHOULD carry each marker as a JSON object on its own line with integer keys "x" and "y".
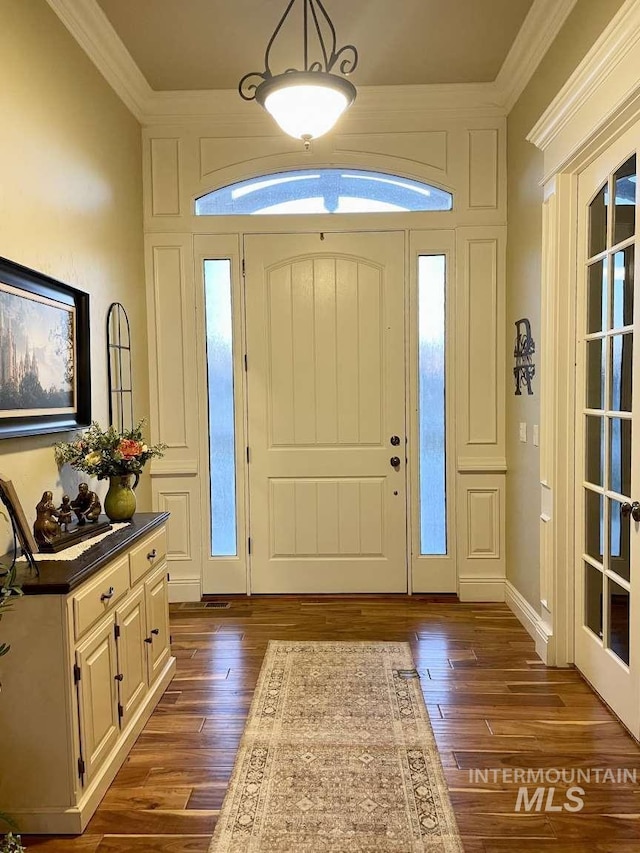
{"x": 326, "y": 388}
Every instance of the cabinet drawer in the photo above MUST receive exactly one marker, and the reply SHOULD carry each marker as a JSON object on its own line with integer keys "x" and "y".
{"x": 147, "y": 555}
{"x": 99, "y": 596}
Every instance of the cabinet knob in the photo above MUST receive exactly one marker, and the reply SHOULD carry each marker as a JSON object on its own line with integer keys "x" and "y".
{"x": 152, "y": 554}
{"x": 155, "y": 631}
{"x": 107, "y": 595}
{"x": 119, "y": 676}
{"x": 148, "y": 640}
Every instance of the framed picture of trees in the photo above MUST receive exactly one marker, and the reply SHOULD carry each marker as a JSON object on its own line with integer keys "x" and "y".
{"x": 45, "y": 375}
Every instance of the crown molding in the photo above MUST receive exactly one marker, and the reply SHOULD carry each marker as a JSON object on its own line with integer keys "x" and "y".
{"x": 88, "y": 24}
{"x": 540, "y": 27}
{"x": 91, "y": 28}
{"x": 597, "y": 72}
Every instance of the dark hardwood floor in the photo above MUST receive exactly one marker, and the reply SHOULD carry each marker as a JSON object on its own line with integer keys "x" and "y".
{"x": 492, "y": 703}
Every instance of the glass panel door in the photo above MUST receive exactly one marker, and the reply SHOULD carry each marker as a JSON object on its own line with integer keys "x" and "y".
{"x": 608, "y": 521}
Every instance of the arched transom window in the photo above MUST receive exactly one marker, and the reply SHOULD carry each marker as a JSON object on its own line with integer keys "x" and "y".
{"x": 324, "y": 191}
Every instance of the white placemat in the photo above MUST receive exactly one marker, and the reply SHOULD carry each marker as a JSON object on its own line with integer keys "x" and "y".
{"x": 74, "y": 551}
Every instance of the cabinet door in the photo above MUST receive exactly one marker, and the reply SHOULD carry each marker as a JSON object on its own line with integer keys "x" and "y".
{"x": 98, "y": 696}
{"x": 132, "y": 659}
{"x": 157, "y": 640}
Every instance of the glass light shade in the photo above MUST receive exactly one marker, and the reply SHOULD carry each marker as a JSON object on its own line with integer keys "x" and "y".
{"x": 306, "y": 105}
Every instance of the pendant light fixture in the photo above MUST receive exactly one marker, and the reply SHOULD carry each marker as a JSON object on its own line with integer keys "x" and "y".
{"x": 306, "y": 102}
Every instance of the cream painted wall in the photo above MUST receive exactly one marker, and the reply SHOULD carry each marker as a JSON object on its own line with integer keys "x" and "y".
{"x": 70, "y": 206}
{"x": 525, "y": 170}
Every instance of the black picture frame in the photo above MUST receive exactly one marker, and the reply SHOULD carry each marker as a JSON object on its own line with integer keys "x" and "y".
{"x": 34, "y": 409}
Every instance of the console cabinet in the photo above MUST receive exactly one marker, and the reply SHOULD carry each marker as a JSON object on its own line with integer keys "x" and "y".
{"x": 89, "y": 659}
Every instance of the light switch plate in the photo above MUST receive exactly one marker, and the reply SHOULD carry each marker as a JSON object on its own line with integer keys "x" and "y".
{"x": 536, "y": 435}
{"x": 523, "y": 433}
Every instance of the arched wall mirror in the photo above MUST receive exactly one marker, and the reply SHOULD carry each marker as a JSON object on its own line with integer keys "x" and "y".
{"x": 119, "y": 368}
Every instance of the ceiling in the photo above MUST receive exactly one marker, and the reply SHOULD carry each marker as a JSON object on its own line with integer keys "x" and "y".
{"x": 211, "y": 44}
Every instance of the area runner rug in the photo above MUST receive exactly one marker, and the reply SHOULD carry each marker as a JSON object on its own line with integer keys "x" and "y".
{"x": 338, "y": 756}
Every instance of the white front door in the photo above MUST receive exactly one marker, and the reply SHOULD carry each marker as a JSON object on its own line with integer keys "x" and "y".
{"x": 608, "y": 432}
{"x": 326, "y": 412}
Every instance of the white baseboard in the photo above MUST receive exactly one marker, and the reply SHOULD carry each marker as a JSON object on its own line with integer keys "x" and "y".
{"x": 530, "y": 619}
{"x": 481, "y": 589}
{"x": 185, "y": 590}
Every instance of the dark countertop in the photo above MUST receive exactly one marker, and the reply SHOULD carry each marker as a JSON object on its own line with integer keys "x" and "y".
{"x": 58, "y": 577}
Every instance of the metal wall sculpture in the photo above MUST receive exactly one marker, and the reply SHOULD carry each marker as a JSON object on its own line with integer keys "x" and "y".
{"x": 525, "y": 347}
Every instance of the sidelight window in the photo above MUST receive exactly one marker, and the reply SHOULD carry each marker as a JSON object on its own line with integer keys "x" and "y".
{"x": 222, "y": 450}
{"x": 431, "y": 415}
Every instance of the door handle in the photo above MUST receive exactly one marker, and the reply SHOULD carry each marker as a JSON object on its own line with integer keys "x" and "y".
{"x": 395, "y": 463}
{"x": 395, "y": 440}
{"x": 633, "y": 510}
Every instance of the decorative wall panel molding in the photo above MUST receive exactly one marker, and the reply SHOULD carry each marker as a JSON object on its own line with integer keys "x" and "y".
{"x": 172, "y": 337}
{"x": 178, "y": 533}
{"x": 168, "y": 280}
{"x": 478, "y": 465}
{"x": 483, "y": 169}
{"x": 483, "y": 524}
{"x": 218, "y": 153}
{"x": 480, "y": 314}
{"x": 428, "y": 149}
{"x": 480, "y": 529}
{"x": 165, "y": 177}
{"x": 184, "y": 529}
{"x": 181, "y": 468}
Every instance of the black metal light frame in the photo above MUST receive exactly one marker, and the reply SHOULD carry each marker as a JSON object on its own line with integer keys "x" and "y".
{"x": 258, "y": 85}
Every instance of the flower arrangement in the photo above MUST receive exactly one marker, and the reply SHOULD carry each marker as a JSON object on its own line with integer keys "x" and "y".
{"x": 108, "y": 453}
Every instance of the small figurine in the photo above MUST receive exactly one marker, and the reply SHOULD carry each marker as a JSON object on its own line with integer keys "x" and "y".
{"x": 65, "y": 513}
{"x": 86, "y": 506}
{"x": 46, "y": 527}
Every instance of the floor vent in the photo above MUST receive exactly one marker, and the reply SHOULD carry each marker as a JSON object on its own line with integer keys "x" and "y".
{"x": 218, "y": 605}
